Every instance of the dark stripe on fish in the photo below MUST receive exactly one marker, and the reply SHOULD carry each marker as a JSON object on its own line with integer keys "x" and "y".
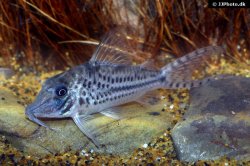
{"x": 65, "y": 107}
{"x": 135, "y": 86}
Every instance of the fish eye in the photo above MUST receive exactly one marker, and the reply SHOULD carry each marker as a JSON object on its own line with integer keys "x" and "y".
{"x": 61, "y": 91}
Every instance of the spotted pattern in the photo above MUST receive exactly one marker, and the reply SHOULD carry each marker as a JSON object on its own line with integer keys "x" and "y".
{"x": 81, "y": 101}
{"x": 106, "y": 84}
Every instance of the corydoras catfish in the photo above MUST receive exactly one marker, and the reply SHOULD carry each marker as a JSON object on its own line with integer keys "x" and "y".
{"x": 109, "y": 80}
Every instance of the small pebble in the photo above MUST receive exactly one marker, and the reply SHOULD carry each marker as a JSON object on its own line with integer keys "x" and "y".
{"x": 82, "y": 152}
{"x": 145, "y": 146}
{"x": 182, "y": 105}
{"x": 158, "y": 159}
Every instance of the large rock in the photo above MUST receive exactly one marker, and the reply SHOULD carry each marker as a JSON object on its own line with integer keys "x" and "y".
{"x": 217, "y": 122}
{"x": 119, "y": 137}
{"x": 229, "y": 97}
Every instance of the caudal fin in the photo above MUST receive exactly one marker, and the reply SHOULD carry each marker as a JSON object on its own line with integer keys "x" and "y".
{"x": 179, "y": 73}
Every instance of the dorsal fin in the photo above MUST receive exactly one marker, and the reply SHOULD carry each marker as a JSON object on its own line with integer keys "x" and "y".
{"x": 149, "y": 64}
{"x": 114, "y": 49}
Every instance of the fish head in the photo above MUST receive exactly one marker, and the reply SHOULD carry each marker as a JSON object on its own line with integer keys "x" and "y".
{"x": 55, "y": 100}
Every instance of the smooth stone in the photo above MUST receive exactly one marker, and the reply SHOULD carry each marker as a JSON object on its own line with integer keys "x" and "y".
{"x": 119, "y": 137}
{"x": 211, "y": 137}
{"x": 12, "y": 121}
{"x": 228, "y": 97}
{"x": 217, "y": 122}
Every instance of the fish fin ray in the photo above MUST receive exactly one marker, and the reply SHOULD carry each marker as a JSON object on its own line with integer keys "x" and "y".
{"x": 111, "y": 50}
{"x": 142, "y": 102}
{"x": 179, "y": 72}
{"x": 149, "y": 64}
{"x": 114, "y": 113}
{"x": 149, "y": 98}
{"x": 81, "y": 121}
{"x": 196, "y": 83}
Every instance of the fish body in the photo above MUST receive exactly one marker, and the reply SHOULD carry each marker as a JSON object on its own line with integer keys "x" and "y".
{"x": 107, "y": 85}
{"x": 109, "y": 80}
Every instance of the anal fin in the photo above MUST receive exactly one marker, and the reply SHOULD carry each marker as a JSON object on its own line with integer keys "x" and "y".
{"x": 150, "y": 98}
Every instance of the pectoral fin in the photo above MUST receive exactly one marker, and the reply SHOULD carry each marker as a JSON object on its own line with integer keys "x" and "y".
{"x": 81, "y": 121}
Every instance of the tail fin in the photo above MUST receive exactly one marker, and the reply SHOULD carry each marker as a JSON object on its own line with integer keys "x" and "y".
{"x": 178, "y": 73}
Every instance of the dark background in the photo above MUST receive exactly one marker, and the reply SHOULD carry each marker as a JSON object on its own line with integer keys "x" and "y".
{"x": 32, "y": 32}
